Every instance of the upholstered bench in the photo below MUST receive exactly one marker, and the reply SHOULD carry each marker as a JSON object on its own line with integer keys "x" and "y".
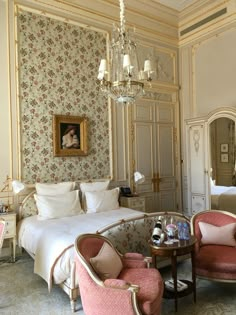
{"x": 215, "y": 250}
{"x": 133, "y": 234}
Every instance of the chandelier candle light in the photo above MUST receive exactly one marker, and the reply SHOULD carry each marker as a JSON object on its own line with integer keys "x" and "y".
{"x": 126, "y": 80}
{"x": 139, "y": 178}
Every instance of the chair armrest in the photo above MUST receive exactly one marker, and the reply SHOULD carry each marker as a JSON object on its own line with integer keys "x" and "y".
{"x": 121, "y": 285}
{"x": 116, "y": 284}
{"x": 148, "y": 261}
{"x": 135, "y": 260}
{"x": 134, "y": 256}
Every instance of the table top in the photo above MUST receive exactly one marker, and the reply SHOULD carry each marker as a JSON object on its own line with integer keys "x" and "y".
{"x": 180, "y": 244}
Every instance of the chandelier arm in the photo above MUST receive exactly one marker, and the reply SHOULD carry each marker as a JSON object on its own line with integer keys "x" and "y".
{"x": 125, "y": 83}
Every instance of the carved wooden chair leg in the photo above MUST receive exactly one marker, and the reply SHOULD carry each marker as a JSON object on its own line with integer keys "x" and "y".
{"x": 73, "y": 304}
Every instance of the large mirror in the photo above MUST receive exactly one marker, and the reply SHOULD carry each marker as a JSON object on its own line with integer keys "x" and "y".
{"x": 222, "y": 151}
{"x": 222, "y": 164}
{"x": 211, "y": 161}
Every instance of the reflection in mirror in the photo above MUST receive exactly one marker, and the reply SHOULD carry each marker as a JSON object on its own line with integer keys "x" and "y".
{"x": 222, "y": 164}
{"x": 222, "y": 151}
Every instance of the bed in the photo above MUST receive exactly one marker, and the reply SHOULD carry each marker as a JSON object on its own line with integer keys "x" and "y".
{"x": 223, "y": 198}
{"x": 50, "y": 241}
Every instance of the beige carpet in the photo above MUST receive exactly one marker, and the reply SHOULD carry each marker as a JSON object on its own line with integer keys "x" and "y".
{"x": 24, "y": 293}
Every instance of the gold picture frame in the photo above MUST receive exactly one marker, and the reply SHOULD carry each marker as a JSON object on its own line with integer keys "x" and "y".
{"x": 224, "y": 147}
{"x": 69, "y": 135}
{"x": 224, "y": 158}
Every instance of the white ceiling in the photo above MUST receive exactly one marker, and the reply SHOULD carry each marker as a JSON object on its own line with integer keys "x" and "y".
{"x": 178, "y": 5}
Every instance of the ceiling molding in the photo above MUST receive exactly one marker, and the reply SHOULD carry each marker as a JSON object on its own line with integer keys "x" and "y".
{"x": 149, "y": 20}
{"x": 177, "y": 5}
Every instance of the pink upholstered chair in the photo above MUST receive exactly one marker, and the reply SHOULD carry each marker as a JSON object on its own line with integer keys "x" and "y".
{"x": 2, "y": 231}
{"x": 215, "y": 252}
{"x": 115, "y": 284}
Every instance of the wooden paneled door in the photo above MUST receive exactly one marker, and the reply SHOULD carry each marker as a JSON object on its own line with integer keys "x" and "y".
{"x": 154, "y": 153}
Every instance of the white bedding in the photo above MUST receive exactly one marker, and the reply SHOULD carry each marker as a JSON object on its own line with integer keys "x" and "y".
{"x": 51, "y": 241}
{"x": 223, "y": 198}
{"x": 216, "y": 191}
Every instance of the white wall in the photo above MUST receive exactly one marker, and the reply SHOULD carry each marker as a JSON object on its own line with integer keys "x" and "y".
{"x": 215, "y": 75}
{"x": 207, "y": 73}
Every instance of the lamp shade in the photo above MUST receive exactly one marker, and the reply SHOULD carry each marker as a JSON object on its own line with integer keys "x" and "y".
{"x": 17, "y": 186}
{"x": 139, "y": 178}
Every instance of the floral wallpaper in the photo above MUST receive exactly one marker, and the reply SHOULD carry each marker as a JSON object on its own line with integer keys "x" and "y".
{"x": 58, "y": 64}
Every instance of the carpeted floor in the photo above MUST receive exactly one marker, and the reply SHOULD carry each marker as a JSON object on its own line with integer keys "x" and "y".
{"x": 24, "y": 293}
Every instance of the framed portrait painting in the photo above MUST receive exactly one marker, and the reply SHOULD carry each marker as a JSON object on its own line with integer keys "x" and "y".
{"x": 69, "y": 135}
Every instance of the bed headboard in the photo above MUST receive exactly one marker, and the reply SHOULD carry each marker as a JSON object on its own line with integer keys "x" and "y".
{"x": 28, "y": 206}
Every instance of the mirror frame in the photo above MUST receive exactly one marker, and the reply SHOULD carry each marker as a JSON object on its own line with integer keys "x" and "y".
{"x": 223, "y": 112}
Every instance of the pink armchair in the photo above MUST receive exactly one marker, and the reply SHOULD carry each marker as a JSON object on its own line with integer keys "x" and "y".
{"x": 111, "y": 283}
{"x": 2, "y": 231}
{"x": 215, "y": 252}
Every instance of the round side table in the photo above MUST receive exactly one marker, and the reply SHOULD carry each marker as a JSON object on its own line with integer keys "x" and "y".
{"x": 180, "y": 248}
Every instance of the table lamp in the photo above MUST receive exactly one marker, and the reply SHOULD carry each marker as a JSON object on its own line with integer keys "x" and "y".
{"x": 17, "y": 187}
{"x": 139, "y": 178}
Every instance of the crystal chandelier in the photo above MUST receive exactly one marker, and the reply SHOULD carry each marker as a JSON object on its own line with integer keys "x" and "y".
{"x": 126, "y": 80}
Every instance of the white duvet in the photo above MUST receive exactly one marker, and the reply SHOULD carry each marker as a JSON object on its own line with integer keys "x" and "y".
{"x": 216, "y": 192}
{"x": 51, "y": 241}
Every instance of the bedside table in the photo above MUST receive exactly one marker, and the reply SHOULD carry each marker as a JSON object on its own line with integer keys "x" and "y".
{"x": 136, "y": 202}
{"x": 10, "y": 232}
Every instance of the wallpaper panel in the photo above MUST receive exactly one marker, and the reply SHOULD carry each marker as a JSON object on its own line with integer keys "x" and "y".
{"x": 58, "y": 65}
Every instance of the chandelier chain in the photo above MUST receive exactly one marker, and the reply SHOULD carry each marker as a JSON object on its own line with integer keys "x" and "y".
{"x": 122, "y": 17}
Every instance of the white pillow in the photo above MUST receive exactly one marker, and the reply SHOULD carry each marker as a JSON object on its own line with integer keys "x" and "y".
{"x": 59, "y": 206}
{"x": 218, "y": 235}
{"x": 99, "y": 201}
{"x": 94, "y": 186}
{"x": 54, "y": 189}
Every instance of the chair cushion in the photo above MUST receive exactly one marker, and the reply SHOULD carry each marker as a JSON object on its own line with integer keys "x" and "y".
{"x": 218, "y": 235}
{"x": 151, "y": 287}
{"x": 209, "y": 263}
{"x": 107, "y": 264}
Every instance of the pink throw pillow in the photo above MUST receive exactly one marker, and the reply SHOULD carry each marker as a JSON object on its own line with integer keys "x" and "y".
{"x": 218, "y": 235}
{"x": 107, "y": 264}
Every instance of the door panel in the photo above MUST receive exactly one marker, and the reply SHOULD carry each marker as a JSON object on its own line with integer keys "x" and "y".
{"x": 144, "y": 111}
{"x": 165, "y": 150}
{"x": 143, "y": 153}
{"x": 167, "y": 201}
{"x": 197, "y": 167}
{"x": 165, "y": 113}
{"x": 166, "y": 167}
{"x": 197, "y": 159}
{"x": 154, "y": 153}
